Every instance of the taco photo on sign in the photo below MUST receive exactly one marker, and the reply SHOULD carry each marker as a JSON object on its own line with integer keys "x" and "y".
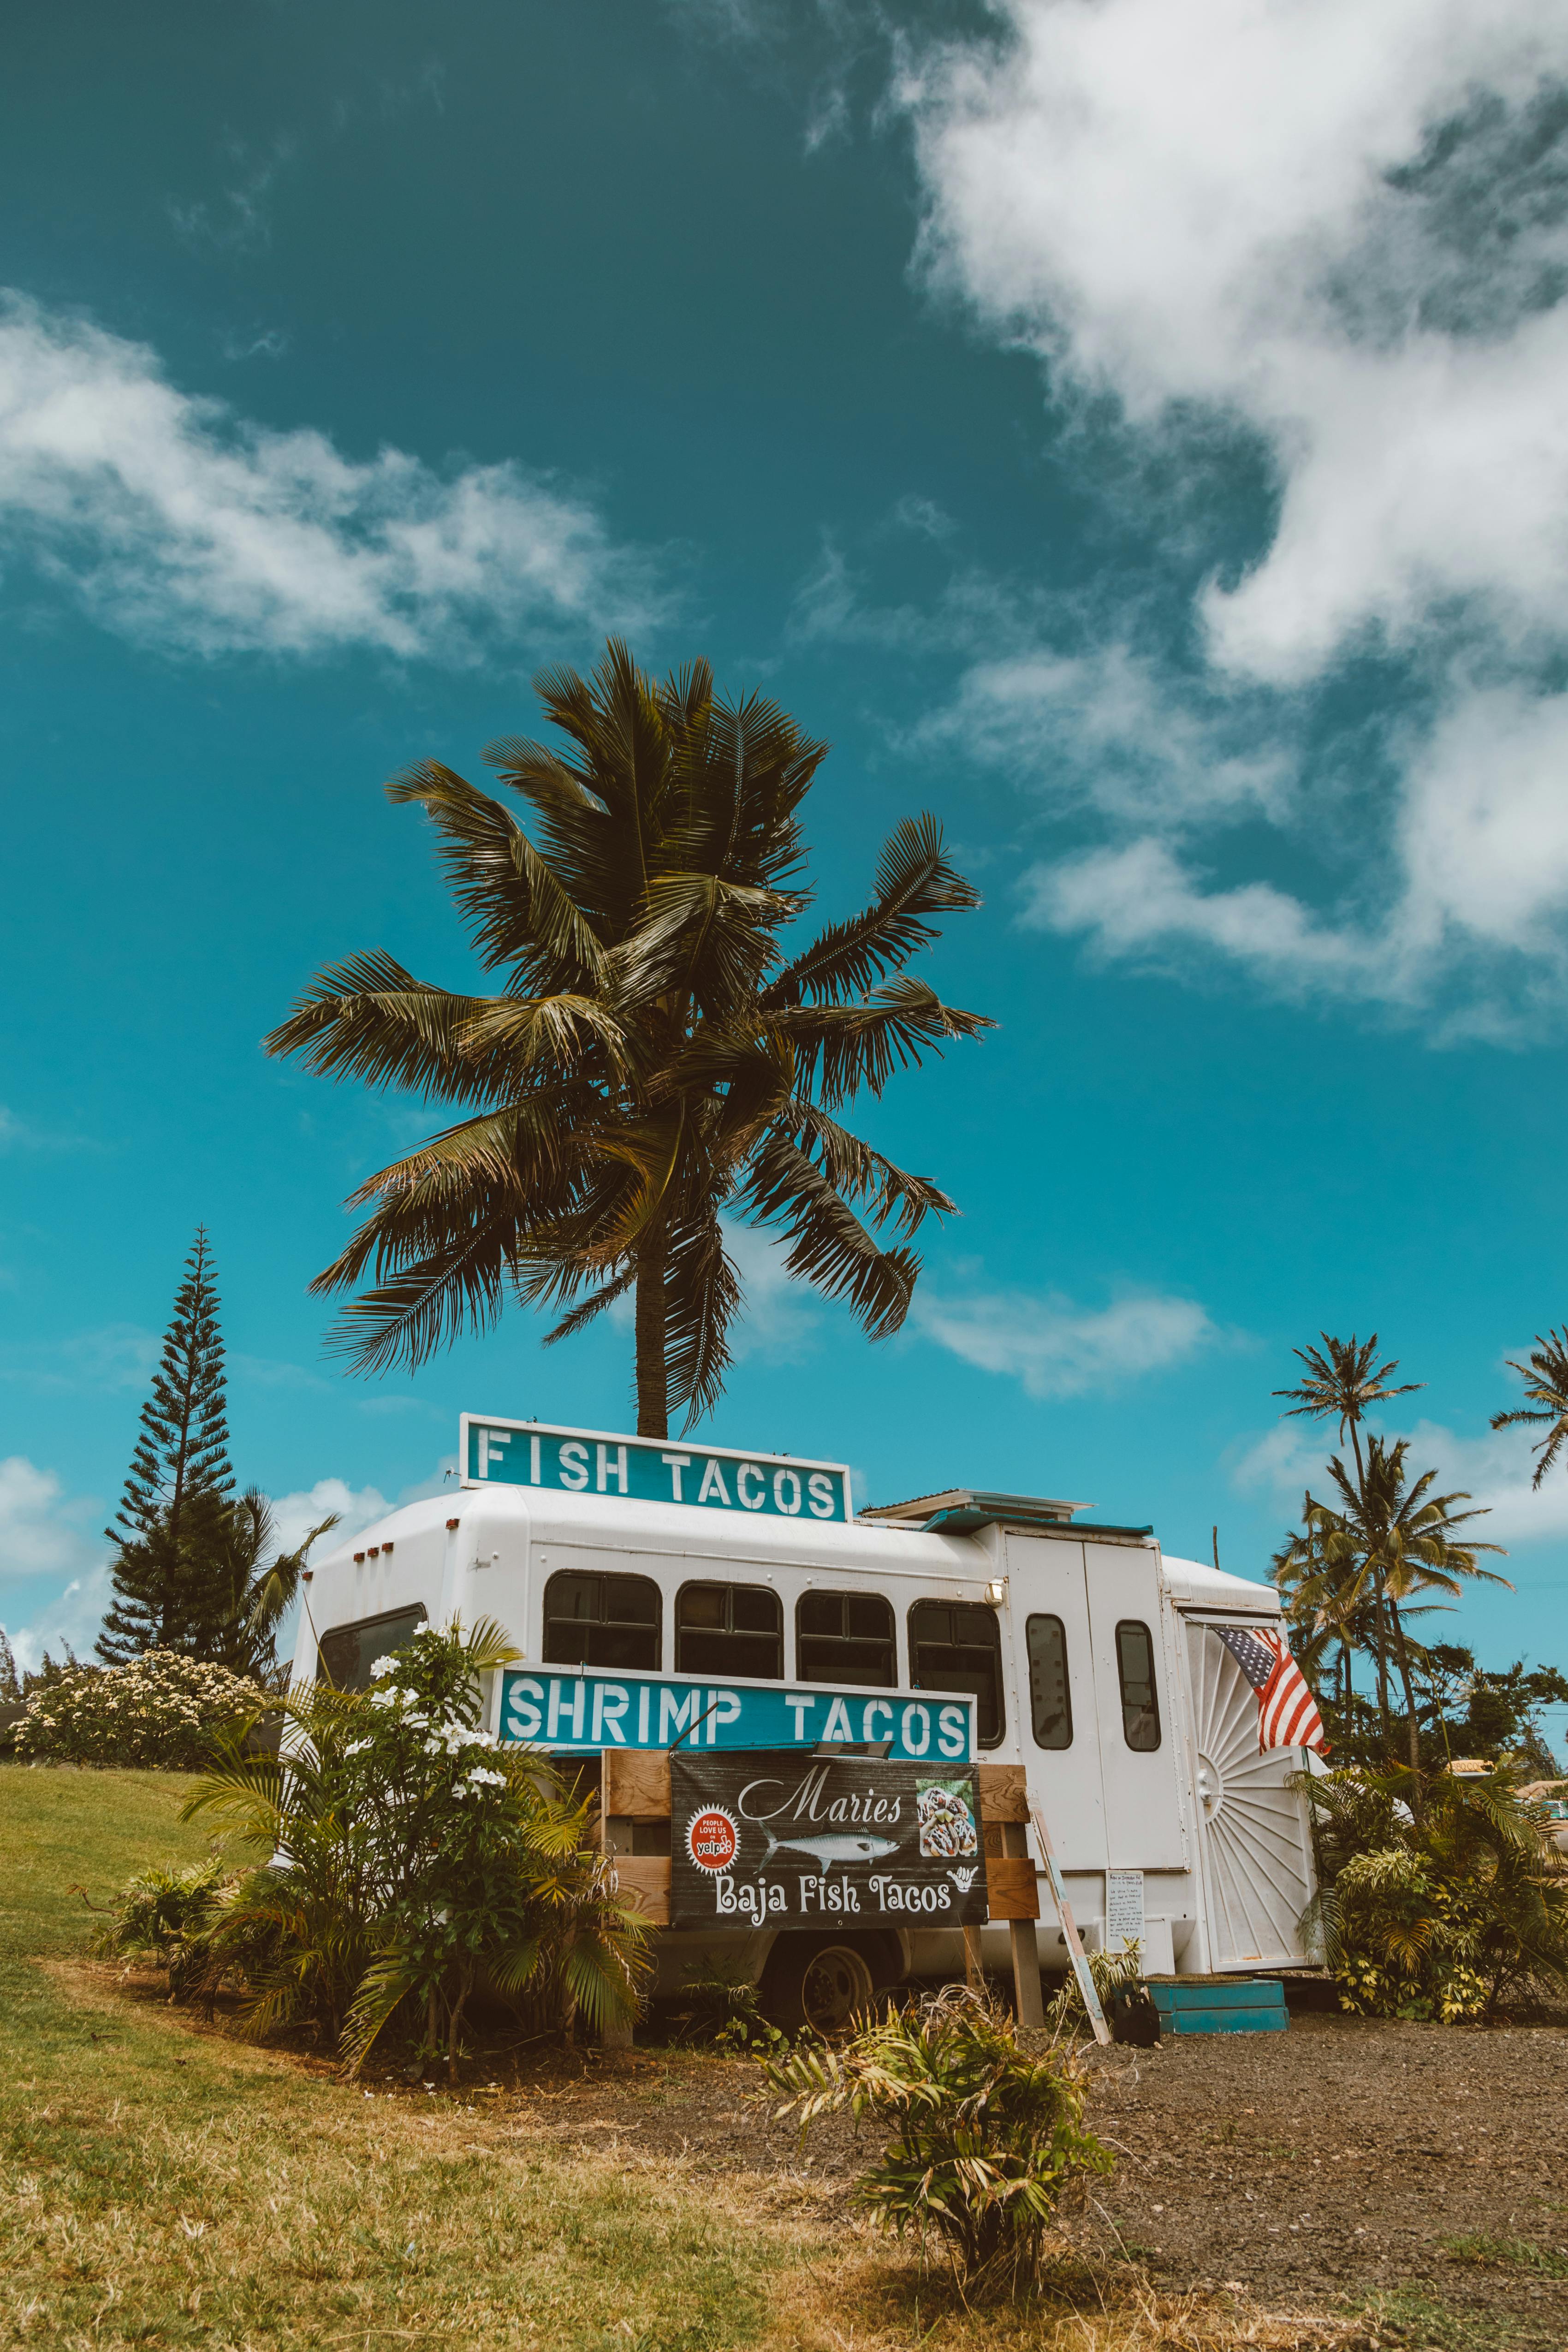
{"x": 946, "y": 1822}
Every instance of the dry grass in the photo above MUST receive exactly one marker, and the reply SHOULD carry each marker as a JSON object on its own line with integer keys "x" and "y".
{"x": 169, "y": 2187}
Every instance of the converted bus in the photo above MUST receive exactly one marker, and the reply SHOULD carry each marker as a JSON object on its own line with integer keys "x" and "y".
{"x": 660, "y": 1592}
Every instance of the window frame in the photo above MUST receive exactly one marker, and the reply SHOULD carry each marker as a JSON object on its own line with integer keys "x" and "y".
{"x": 727, "y": 1585}
{"x": 603, "y": 1576}
{"x": 846, "y": 1640}
{"x": 1135, "y": 1748}
{"x": 935, "y": 1601}
{"x": 364, "y": 1625}
{"x": 1048, "y": 1617}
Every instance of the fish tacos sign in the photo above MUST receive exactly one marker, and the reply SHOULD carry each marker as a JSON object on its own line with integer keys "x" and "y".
{"x": 767, "y": 1839}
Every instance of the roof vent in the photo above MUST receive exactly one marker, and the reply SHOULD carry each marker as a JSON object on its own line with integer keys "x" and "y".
{"x": 961, "y": 1509}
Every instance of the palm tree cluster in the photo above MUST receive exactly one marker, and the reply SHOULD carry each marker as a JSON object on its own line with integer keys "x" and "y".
{"x": 655, "y": 1058}
{"x": 1380, "y": 1546}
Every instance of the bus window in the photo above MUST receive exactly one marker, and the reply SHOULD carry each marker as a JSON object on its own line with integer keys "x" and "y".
{"x": 345, "y": 1654}
{"x": 845, "y": 1637}
{"x": 729, "y": 1629}
{"x": 956, "y": 1646}
{"x": 1139, "y": 1700}
{"x": 602, "y": 1621}
{"x": 1050, "y": 1696}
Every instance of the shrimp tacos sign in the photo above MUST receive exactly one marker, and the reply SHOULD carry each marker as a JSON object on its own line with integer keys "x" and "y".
{"x": 765, "y": 1838}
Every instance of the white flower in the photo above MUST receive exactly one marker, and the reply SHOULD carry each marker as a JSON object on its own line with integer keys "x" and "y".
{"x": 388, "y": 1665}
{"x": 478, "y": 1777}
{"x": 356, "y": 1747}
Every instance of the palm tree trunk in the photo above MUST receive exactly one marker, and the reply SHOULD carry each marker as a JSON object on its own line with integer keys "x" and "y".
{"x": 1403, "y": 1655}
{"x": 1385, "y": 1713}
{"x": 652, "y": 1371}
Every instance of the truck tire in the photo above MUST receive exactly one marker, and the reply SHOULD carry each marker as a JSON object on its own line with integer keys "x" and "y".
{"x": 825, "y": 1982}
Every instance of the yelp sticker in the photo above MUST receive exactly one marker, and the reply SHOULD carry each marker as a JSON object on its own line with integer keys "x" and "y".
{"x": 711, "y": 1838}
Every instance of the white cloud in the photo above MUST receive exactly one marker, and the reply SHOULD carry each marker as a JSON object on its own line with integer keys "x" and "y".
{"x": 177, "y": 522}
{"x": 1056, "y": 1348}
{"x": 45, "y": 1533}
{"x": 42, "y": 1533}
{"x": 1114, "y": 729}
{"x": 1338, "y": 232}
{"x": 1494, "y": 1469}
{"x": 294, "y": 1515}
{"x": 114, "y": 1356}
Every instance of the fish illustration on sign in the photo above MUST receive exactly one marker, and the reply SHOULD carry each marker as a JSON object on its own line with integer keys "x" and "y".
{"x": 844, "y": 1847}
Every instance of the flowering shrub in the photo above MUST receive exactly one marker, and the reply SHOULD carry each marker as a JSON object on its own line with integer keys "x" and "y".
{"x": 162, "y": 1709}
{"x": 412, "y": 1861}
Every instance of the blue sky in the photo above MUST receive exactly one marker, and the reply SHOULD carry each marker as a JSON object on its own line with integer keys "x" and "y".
{"x": 1132, "y": 430}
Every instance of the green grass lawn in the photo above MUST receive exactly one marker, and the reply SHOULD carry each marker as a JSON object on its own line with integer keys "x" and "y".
{"x": 169, "y": 2186}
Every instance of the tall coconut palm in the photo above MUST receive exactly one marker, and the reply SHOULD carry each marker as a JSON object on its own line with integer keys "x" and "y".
{"x": 1341, "y": 1381}
{"x": 1545, "y": 1378}
{"x": 1343, "y": 1378}
{"x": 652, "y": 1060}
{"x": 1398, "y": 1539}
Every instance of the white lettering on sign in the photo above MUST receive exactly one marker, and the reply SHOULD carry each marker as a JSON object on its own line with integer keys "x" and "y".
{"x": 676, "y": 1463}
{"x": 649, "y": 1470}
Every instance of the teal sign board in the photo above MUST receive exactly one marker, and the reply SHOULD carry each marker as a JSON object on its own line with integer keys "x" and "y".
{"x": 650, "y": 1470}
{"x": 582, "y": 1709}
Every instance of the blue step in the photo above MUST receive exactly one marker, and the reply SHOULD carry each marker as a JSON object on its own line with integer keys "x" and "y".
{"x": 1220, "y": 2004}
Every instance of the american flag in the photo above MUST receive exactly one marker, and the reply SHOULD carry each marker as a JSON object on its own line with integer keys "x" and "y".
{"x": 1286, "y": 1712}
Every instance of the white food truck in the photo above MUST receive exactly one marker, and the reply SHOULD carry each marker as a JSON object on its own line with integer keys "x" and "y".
{"x": 662, "y": 1593}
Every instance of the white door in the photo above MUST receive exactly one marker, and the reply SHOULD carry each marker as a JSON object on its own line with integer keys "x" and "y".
{"x": 1054, "y": 1655}
{"x": 1254, "y": 1836}
{"x": 1142, "y": 1761}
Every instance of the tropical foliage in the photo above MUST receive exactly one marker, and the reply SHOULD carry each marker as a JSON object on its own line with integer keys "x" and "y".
{"x": 1439, "y": 1899}
{"x": 409, "y": 1866}
{"x": 654, "y": 1060}
{"x": 986, "y": 2139}
{"x": 162, "y": 1710}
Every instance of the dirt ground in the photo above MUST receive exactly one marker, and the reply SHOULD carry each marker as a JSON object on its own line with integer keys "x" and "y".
{"x": 1313, "y": 2168}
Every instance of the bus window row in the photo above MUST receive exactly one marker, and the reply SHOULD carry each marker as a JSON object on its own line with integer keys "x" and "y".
{"x": 616, "y": 1622}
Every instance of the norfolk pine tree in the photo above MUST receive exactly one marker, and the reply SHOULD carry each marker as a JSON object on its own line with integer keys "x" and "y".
{"x": 170, "y": 1527}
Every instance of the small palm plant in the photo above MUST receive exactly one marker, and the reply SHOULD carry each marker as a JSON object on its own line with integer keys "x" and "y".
{"x": 986, "y": 2139}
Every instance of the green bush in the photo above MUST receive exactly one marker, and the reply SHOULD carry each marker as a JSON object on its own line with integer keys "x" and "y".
{"x": 161, "y": 1709}
{"x": 986, "y": 2139}
{"x": 413, "y": 1864}
{"x": 1441, "y": 1896}
{"x": 166, "y": 1916}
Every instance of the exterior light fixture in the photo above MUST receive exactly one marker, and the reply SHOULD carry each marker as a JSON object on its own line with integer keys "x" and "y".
{"x": 996, "y": 1591}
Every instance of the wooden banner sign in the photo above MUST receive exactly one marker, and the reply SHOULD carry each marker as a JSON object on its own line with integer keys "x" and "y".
{"x": 771, "y": 1839}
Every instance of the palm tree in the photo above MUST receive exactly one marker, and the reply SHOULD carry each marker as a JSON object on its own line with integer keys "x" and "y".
{"x": 652, "y": 1060}
{"x": 1545, "y": 1379}
{"x": 257, "y": 1582}
{"x": 1341, "y": 1381}
{"x": 1392, "y": 1537}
